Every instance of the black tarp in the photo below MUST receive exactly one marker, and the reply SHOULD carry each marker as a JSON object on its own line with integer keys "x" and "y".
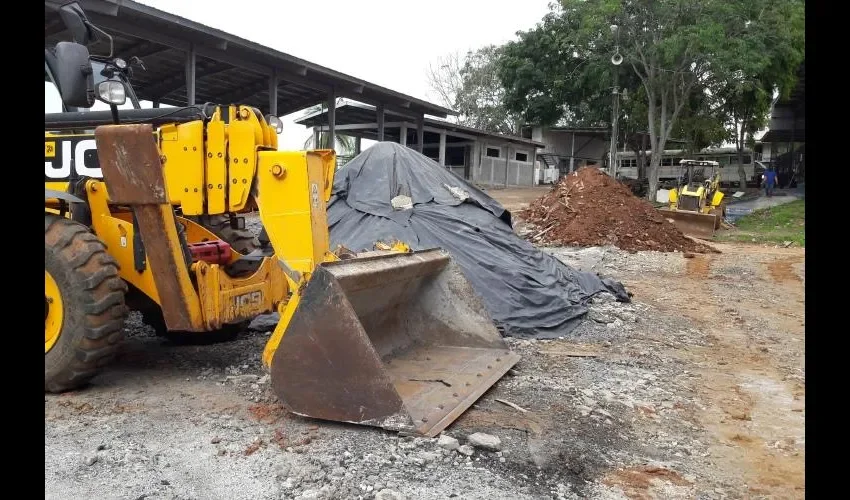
{"x": 527, "y": 292}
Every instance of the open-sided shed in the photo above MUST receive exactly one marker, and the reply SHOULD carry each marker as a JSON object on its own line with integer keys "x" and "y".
{"x": 189, "y": 63}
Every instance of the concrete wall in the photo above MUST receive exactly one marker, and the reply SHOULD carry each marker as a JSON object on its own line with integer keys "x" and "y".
{"x": 489, "y": 170}
{"x": 457, "y": 170}
{"x": 559, "y": 142}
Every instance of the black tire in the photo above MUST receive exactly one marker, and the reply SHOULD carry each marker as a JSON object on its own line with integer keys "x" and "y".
{"x": 92, "y": 295}
{"x": 153, "y": 318}
{"x": 242, "y": 240}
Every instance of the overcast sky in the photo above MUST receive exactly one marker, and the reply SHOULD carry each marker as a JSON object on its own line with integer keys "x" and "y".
{"x": 386, "y": 42}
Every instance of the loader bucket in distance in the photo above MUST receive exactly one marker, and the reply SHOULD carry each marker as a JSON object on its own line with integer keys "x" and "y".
{"x": 399, "y": 341}
{"x": 694, "y": 224}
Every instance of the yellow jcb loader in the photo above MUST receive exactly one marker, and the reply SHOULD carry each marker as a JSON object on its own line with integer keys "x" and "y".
{"x": 390, "y": 338}
{"x": 696, "y": 206}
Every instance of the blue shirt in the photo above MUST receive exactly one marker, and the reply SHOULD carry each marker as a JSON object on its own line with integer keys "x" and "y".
{"x": 770, "y": 176}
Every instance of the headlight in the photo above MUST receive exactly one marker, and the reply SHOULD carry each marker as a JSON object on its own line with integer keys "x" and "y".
{"x": 112, "y": 92}
{"x": 275, "y": 123}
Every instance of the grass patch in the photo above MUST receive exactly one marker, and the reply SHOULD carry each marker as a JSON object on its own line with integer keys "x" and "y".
{"x": 771, "y": 225}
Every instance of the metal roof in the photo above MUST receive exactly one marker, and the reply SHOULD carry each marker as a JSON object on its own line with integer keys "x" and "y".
{"x": 351, "y": 113}
{"x": 228, "y": 70}
{"x": 580, "y": 130}
{"x": 798, "y": 135}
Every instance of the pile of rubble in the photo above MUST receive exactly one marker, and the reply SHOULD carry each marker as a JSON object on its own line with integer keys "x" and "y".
{"x": 589, "y": 208}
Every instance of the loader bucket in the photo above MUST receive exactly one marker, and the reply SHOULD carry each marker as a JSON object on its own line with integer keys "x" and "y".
{"x": 399, "y": 341}
{"x": 694, "y": 224}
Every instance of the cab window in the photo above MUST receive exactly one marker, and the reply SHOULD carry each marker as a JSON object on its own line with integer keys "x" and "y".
{"x": 52, "y": 99}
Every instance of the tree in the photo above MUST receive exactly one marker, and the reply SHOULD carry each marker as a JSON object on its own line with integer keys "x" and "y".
{"x": 470, "y": 85}
{"x": 747, "y": 104}
{"x": 444, "y": 78}
{"x": 343, "y": 144}
{"x": 777, "y": 36}
{"x": 677, "y": 49}
{"x": 633, "y": 129}
{"x": 701, "y": 123}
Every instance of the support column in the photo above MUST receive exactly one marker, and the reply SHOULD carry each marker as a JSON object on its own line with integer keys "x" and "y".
{"x": 380, "y": 111}
{"x": 492, "y": 164}
{"x": 572, "y": 154}
{"x": 331, "y": 138}
{"x": 356, "y": 145}
{"x": 443, "y": 148}
{"x": 420, "y": 132}
{"x": 273, "y": 93}
{"x": 402, "y": 135}
{"x": 190, "y": 76}
{"x": 156, "y": 104}
{"x": 518, "y": 169}
{"x": 615, "y": 115}
{"x": 317, "y": 136}
{"x": 535, "y": 179}
{"x": 507, "y": 162}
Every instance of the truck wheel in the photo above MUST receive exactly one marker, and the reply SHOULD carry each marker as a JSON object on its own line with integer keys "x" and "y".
{"x": 242, "y": 240}
{"x": 84, "y": 308}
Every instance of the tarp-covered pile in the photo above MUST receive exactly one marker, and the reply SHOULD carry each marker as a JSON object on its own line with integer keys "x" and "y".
{"x": 390, "y": 192}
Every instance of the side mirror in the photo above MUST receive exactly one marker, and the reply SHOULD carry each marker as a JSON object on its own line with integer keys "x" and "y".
{"x": 74, "y": 75}
{"x": 77, "y": 23}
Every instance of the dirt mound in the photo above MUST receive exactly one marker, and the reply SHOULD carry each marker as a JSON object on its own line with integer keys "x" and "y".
{"x": 589, "y": 208}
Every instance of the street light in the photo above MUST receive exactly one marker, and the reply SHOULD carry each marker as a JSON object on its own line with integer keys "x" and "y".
{"x": 616, "y": 60}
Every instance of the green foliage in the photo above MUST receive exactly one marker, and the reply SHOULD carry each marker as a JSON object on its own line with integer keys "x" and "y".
{"x": 701, "y": 122}
{"x": 550, "y": 75}
{"x": 470, "y": 85}
{"x": 682, "y": 58}
{"x": 776, "y": 224}
{"x": 343, "y": 145}
{"x": 480, "y": 97}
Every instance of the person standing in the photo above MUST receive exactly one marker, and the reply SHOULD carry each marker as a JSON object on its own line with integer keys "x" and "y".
{"x": 769, "y": 179}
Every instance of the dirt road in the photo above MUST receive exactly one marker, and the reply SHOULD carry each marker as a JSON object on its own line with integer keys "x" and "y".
{"x": 749, "y": 374}
{"x": 695, "y": 390}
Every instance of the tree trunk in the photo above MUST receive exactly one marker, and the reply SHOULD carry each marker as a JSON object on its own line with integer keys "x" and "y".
{"x": 654, "y": 161}
{"x": 641, "y": 158}
{"x": 652, "y": 173}
{"x": 742, "y": 175}
{"x": 742, "y": 135}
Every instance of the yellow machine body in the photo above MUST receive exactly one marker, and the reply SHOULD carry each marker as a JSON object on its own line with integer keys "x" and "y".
{"x": 697, "y": 208}
{"x": 378, "y": 339}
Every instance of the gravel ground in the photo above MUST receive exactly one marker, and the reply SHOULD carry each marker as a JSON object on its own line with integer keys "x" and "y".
{"x": 693, "y": 390}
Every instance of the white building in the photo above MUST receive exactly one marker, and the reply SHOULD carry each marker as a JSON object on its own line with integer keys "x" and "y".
{"x": 476, "y": 155}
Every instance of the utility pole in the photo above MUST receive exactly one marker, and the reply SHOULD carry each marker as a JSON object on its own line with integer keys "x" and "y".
{"x": 616, "y": 60}
{"x": 615, "y": 115}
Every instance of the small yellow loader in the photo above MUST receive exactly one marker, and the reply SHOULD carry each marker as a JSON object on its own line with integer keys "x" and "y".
{"x": 696, "y": 205}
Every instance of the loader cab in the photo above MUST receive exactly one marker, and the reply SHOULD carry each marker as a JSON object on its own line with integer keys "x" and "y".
{"x": 75, "y": 80}
{"x": 697, "y": 173}
{"x": 102, "y": 71}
